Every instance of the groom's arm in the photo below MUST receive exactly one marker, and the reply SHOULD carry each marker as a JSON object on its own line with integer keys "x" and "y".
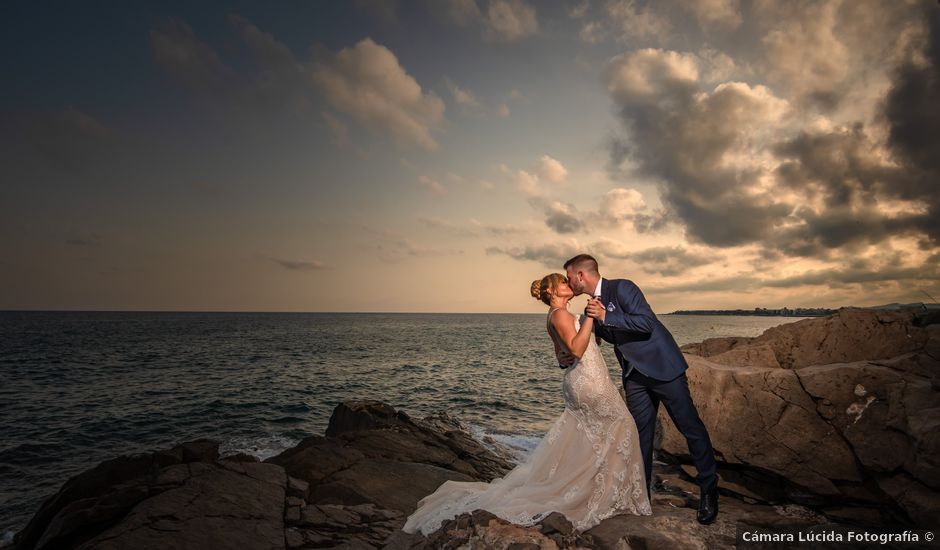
{"x": 633, "y": 314}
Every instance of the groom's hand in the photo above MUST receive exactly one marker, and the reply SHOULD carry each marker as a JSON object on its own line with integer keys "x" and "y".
{"x": 595, "y": 309}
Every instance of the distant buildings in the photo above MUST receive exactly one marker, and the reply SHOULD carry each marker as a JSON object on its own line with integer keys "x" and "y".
{"x": 762, "y": 311}
{"x": 802, "y": 311}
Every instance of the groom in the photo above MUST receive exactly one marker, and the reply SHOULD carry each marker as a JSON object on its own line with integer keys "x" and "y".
{"x": 653, "y": 370}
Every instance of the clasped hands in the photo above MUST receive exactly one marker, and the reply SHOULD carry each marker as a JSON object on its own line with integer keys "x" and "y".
{"x": 595, "y": 309}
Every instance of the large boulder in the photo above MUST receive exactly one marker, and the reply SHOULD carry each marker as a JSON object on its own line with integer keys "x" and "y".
{"x": 103, "y": 494}
{"x": 210, "y": 505}
{"x": 852, "y": 416}
{"x": 850, "y": 335}
{"x": 374, "y": 454}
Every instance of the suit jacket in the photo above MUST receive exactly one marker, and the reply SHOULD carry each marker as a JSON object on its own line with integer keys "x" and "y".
{"x": 640, "y": 340}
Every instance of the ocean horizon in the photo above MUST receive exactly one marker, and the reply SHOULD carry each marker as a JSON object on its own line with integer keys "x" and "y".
{"x": 81, "y": 387}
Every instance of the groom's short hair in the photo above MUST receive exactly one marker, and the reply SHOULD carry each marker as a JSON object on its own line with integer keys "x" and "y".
{"x": 582, "y": 262}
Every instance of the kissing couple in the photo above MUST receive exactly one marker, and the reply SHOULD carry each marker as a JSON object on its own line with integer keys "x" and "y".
{"x": 596, "y": 460}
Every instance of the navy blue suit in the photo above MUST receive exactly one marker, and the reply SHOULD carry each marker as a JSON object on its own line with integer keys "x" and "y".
{"x": 653, "y": 371}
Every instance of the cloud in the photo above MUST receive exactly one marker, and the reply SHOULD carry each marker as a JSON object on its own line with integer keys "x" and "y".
{"x": 178, "y": 51}
{"x": 339, "y": 130}
{"x": 547, "y": 169}
{"x": 499, "y": 230}
{"x": 670, "y": 261}
{"x": 706, "y": 148}
{"x": 90, "y": 240}
{"x": 449, "y": 227}
{"x": 562, "y": 217}
{"x": 621, "y": 205}
{"x": 367, "y": 83}
{"x": 716, "y": 15}
{"x": 463, "y": 12}
{"x": 465, "y": 99}
{"x": 432, "y": 185}
{"x": 510, "y": 20}
{"x": 391, "y": 247}
{"x": 913, "y": 115}
{"x": 552, "y": 255}
{"x": 503, "y": 110}
{"x": 300, "y": 265}
{"x": 637, "y": 23}
{"x": 551, "y": 170}
{"x": 525, "y": 182}
{"x": 70, "y": 141}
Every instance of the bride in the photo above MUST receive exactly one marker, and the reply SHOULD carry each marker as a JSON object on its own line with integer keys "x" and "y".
{"x": 588, "y": 466}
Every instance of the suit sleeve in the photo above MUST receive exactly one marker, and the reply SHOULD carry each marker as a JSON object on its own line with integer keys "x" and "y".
{"x": 633, "y": 314}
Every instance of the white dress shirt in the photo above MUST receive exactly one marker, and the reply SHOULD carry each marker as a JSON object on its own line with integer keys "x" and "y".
{"x": 597, "y": 291}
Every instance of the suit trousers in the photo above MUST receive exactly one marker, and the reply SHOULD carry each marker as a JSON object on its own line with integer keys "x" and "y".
{"x": 644, "y": 395}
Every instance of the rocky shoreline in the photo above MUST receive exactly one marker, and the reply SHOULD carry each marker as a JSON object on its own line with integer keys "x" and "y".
{"x": 824, "y": 423}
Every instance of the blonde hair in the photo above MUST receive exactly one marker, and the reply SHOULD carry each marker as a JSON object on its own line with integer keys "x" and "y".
{"x": 542, "y": 288}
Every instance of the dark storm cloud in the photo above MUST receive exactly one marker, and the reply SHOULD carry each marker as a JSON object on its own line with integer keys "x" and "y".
{"x": 669, "y": 261}
{"x": 835, "y": 188}
{"x": 177, "y": 50}
{"x": 853, "y": 274}
{"x": 913, "y": 111}
{"x": 272, "y": 77}
{"x": 299, "y": 265}
{"x": 561, "y": 217}
{"x": 681, "y": 137}
{"x": 552, "y": 256}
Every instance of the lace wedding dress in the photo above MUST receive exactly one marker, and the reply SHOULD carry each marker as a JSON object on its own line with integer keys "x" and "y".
{"x": 588, "y": 466}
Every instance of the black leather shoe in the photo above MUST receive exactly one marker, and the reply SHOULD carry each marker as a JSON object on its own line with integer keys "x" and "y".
{"x": 708, "y": 506}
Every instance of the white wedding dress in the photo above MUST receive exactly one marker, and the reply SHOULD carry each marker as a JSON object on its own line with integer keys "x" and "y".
{"x": 588, "y": 466}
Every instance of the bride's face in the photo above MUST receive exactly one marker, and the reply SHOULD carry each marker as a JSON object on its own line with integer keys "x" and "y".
{"x": 563, "y": 290}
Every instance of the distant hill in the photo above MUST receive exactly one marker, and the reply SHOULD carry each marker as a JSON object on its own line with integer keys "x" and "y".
{"x": 803, "y": 311}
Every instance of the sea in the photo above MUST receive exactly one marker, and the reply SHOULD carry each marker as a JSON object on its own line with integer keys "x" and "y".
{"x": 77, "y": 388}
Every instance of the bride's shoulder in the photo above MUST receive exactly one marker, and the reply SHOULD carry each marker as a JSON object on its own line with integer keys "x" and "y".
{"x": 555, "y": 318}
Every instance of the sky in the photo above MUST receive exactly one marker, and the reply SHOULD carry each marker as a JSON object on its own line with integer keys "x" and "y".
{"x": 438, "y": 156}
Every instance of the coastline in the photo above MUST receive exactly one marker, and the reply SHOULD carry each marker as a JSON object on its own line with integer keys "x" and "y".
{"x": 383, "y": 460}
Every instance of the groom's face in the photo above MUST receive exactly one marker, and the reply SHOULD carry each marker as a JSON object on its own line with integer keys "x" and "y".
{"x": 575, "y": 281}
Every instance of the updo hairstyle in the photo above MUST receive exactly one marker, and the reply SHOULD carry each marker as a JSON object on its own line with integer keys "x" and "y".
{"x": 542, "y": 288}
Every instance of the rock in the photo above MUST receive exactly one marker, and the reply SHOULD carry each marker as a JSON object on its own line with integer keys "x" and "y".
{"x": 821, "y": 433}
{"x": 762, "y": 418}
{"x": 671, "y": 500}
{"x": 484, "y": 530}
{"x": 293, "y": 538}
{"x": 297, "y": 487}
{"x": 379, "y": 456}
{"x": 716, "y": 346}
{"x": 676, "y": 528}
{"x": 556, "y": 523}
{"x": 400, "y": 540}
{"x": 674, "y": 484}
{"x": 292, "y": 514}
{"x": 354, "y": 416}
{"x": 386, "y": 483}
{"x": 916, "y": 499}
{"x": 849, "y": 335}
{"x": 755, "y": 355}
{"x": 105, "y": 493}
{"x": 855, "y": 515}
{"x": 214, "y": 508}
{"x": 241, "y": 457}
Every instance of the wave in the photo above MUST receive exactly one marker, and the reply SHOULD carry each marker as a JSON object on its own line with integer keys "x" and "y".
{"x": 519, "y": 445}
{"x": 260, "y": 447}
